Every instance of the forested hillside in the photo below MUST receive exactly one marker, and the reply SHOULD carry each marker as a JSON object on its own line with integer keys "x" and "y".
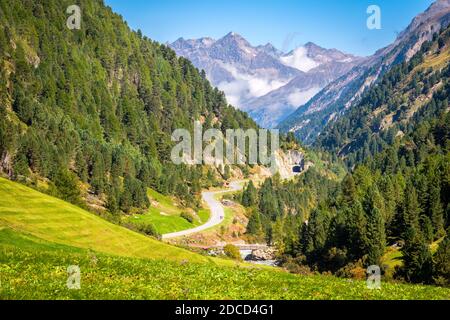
{"x": 88, "y": 113}
{"x": 396, "y": 195}
{"x": 310, "y": 120}
{"x": 409, "y": 95}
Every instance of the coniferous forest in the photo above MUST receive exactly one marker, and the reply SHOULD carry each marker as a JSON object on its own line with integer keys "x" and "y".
{"x": 396, "y": 191}
{"x": 97, "y": 107}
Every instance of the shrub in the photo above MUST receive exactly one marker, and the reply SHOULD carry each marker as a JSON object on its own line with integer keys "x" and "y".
{"x": 353, "y": 270}
{"x": 295, "y": 268}
{"x": 231, "y": 251}
{"x": 149, "y": 229}
{"x": 295, "y": 265}
{"x": 187, "y": 216}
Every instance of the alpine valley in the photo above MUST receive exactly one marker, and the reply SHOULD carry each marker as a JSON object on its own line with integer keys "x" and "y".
{"x": 92, "y": 206}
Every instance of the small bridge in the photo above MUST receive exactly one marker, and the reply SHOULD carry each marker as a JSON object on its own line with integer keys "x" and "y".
{"x": 239, "y": 246}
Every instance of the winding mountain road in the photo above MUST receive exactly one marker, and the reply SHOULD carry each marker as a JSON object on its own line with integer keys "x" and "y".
{"x": 216, "y": 208}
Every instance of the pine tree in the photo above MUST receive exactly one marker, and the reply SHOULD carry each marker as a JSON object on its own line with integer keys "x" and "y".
{"x": 98, "y": 173}
{"x": 111, "y": 203}
{"x": 417, "y": 260}
{"x": 317, "y": 233}
{"x": 126, "y": 197}
{"x": 20, "y": 167}
{"x": 67, "y": 186}
{"x": 249, "y": 196}
{"x": 357, "y": 224}
{"x": 426, "y": 228}
{"x": 268, "y": 202}
{"x": 410, "y": 212}
{"x": 348, "y": 189}
{"x": 441, "y": 259}
{"x": 436, "y": 211}
{"x": 278, "y": 234}
{"x": 254, "y": 225}
{"x": 376, "y": 237}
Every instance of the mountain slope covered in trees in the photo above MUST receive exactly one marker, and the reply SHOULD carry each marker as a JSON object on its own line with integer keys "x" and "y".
{"x": 396, "y": 194}
{"x": 406, "y": 97}
{"x": 309, "y": 121}
{"x": 89, "y": 113}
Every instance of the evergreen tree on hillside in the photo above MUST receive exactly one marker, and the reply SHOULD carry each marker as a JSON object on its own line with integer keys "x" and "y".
{"x": 376, "y": 237}
{"x": 436, "y": 212}
{"x": 417, "y": 260}
{"x": 357, "y": 230}
{"x": 408, "y": 217}
{"x": 268, "y": 201}
{"x": 348, "y": 190}
{"x": 441, "y": 269}
{"x": 67, "y": 187}
{"x": 249, "y": 196}
{"x": 316, "y": 235}
{"x": 254, "y": 225}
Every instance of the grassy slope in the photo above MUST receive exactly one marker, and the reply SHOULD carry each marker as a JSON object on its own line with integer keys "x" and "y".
{"x": 41, "y": 236}
{"x": 165, "y": 216}
{"x": 35, "y": 269}
{"x": 28, "y": 211}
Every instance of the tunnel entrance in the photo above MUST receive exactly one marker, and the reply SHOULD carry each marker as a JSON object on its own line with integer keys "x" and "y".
{"x": 297, "y": 169}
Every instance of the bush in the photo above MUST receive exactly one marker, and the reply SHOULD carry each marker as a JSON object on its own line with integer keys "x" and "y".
{"x": 188, "y": 217}
{"x": 353, "y": 270}
{"x": 149, "y": 229}
{"x": 232, "y": 252}
{"x": 296, "y": 265}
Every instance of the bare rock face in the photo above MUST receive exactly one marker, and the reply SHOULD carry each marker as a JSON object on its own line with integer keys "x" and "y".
{"x": 6, "y": 164}
{"x": 262, "y": 255}
{"x": 291, "y": 163}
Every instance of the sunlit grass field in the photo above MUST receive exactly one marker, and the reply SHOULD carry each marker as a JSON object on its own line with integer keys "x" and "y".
{"x": 40, "y": 237}
{"x": 35, "y": 269}
{"x": 165, "y": 215}
{"x": 31, "y": 212}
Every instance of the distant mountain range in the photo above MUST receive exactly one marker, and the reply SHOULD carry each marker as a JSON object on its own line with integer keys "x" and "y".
{"x": 310, "y": 119}
{"x": 262, "y": 80}
{"x": 304, "y": 90}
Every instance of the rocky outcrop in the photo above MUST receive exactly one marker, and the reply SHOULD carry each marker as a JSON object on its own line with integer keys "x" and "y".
{"x": 262, "y": 255}
{"x": 6, "y": 164}
{"x": 291, "y": 163}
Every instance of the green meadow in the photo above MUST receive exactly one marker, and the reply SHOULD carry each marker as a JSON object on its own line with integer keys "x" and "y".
{"x": 164, "y": 215}
{"x": 41, "y": 236}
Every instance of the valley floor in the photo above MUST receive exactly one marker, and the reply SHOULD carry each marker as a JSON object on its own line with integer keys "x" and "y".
{"x": 216, "y": 208}
{"x": 40, "y": 237}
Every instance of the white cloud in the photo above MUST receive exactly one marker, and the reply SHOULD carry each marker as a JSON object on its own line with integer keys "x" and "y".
{"x": 234, "y": 91}
{"x": 247, "y": 86}
{"x": 299, "y": 59}
{"x": 299, "y": 97}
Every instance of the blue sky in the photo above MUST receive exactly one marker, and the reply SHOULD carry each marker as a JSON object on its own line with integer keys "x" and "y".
{"x": 286, "y": 24}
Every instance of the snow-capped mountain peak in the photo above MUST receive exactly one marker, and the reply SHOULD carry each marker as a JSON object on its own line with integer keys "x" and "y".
{"x": 299, "y": 59}
{"x": 263, "y": 80}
